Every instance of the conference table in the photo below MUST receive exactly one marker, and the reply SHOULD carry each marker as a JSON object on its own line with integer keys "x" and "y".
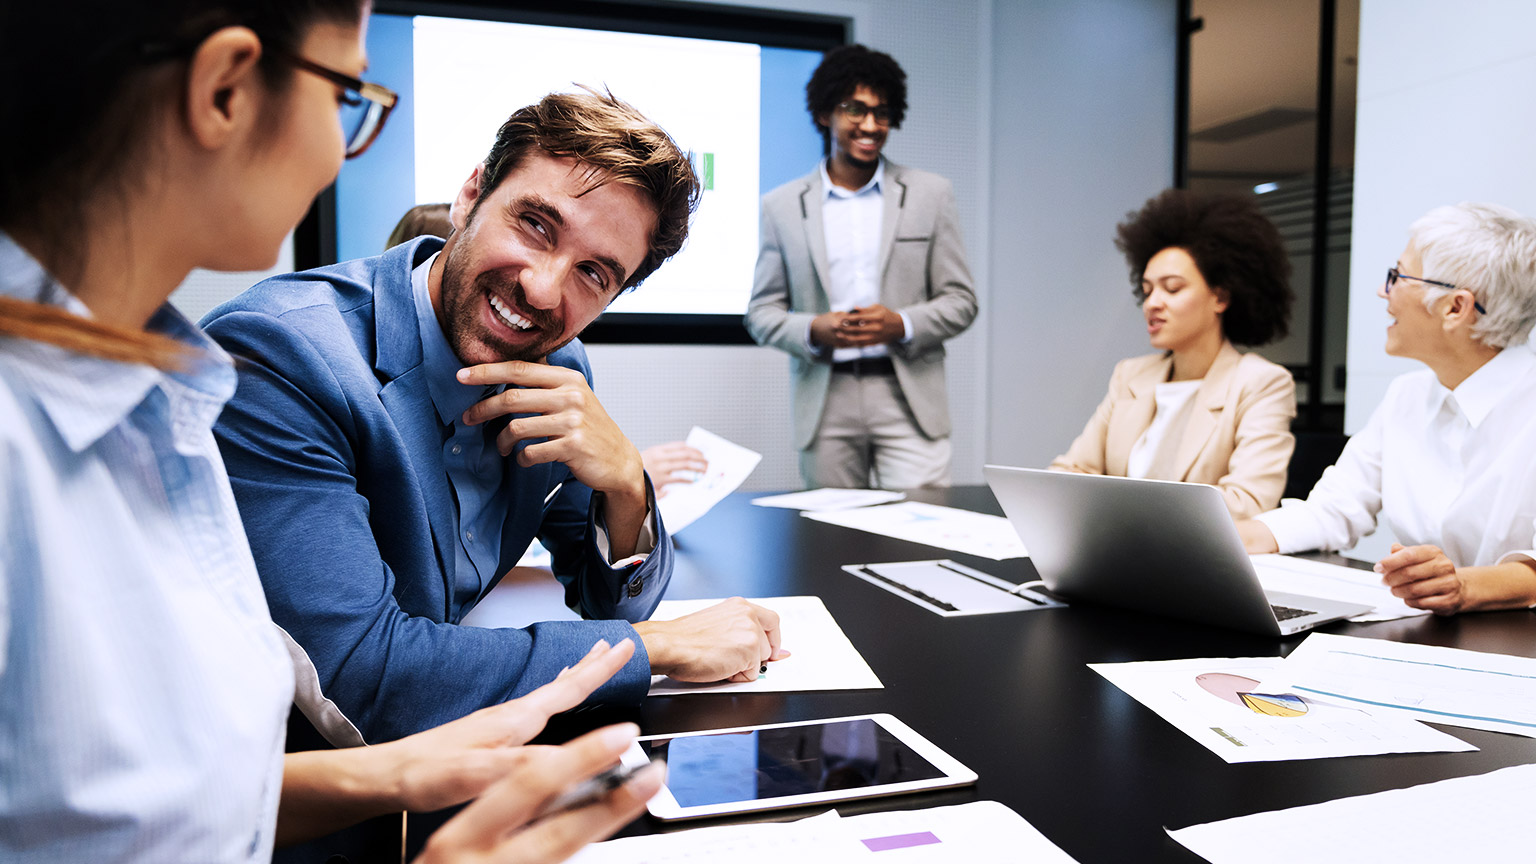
{"x": 1012, "y": 697}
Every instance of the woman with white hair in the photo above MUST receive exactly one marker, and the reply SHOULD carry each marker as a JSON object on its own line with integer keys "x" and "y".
{"x": 1446, "y": 457}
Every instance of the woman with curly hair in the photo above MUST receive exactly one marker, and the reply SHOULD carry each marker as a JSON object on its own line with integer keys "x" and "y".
{"x": 1210, "y": 273}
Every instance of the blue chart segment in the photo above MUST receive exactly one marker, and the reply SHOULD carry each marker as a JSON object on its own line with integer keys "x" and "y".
{"x": 1238, "y": 690}
{"x": 1275, "y": 704}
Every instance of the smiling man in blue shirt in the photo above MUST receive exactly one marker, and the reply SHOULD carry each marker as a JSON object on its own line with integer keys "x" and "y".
{"x": 404, "y": 426}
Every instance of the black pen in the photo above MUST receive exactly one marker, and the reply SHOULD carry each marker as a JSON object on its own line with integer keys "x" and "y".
{"x": 591, "y": 790}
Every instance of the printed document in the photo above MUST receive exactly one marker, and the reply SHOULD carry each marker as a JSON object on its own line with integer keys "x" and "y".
{"x": 950, "y": 589}
{"x": 1332, "y": 582}
{"x": 1453, "y": 686}
{"x": 981, "y": 832}
{"x": 729, "y": 466}
{"x": 829, "y": 499}
{"x": 1486, "y": 817}
{"x": 821, "y": 657}
{"x": 1223, "y": 705}
{"x": 930, "y": 524}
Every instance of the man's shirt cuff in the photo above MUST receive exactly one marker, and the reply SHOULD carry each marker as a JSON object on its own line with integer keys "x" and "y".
{"x": 645, "y": 543}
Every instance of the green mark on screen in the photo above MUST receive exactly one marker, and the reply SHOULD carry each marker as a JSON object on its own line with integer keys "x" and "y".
{"x": 707, "y": 168}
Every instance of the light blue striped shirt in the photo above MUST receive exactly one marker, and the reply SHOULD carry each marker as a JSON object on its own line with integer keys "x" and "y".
{"x": 144, "y": 690}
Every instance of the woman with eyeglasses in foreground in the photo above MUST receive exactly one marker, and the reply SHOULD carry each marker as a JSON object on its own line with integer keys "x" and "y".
{"x": 1210, "y": 272}
{"x": 1446, "y": 457}
{"x": 144, "y": 690}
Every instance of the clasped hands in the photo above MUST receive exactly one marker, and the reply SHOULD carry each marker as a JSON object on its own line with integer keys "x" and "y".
{"x": 859, "y": 327}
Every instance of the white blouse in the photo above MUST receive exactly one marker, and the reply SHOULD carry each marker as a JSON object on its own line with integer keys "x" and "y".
{"x": 1452, "y": 468}
{"x": 1167, "y": 429}
{"x": 144, "y": 690}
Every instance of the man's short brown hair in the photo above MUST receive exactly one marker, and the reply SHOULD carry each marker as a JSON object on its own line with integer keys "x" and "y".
{"x": 617, "y": 144}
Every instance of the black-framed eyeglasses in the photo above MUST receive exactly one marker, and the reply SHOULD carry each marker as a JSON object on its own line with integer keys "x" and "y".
{"x": 1393, "y": 275}
{"x": 364, "y": 105}
{"x": 856, "y": 111}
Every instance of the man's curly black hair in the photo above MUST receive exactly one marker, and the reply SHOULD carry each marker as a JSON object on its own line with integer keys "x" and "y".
{"x": 841, "y": 72}
{"x": 1237, "y": 249}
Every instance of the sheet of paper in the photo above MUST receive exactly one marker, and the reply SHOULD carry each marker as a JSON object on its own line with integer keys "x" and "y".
{"x": 1486, "y": 817}
{"x": 821, "y": 657}
{"x": 1333, "y": 582}
{"x": 1222, "y": 704}
{"x": 951, "y": 589}
{"x": 1453, "y": 686}
{"x": 829, "y": 499}
{"x": 980, "y": 832}
{"x": 930, "y": 524}
{"x": 729, "y": 466}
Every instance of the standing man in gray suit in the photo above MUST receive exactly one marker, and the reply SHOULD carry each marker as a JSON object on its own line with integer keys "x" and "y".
{"x": 861, "y": 276}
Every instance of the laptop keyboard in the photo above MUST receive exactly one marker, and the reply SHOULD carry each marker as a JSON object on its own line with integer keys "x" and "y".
{"x": 1286, "y": 613}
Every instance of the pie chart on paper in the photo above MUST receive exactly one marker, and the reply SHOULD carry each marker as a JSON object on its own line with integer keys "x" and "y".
{"x": 1238, "y": 690}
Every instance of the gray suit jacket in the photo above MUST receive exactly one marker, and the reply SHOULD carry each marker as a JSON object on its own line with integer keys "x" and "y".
{"x": 924, "y": 274}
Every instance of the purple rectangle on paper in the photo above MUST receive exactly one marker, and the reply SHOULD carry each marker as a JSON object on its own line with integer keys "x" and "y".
{"x": 900, "y": 841}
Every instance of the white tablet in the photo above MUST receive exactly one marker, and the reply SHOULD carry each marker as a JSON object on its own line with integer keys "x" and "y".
{"x": 751, "y": 768}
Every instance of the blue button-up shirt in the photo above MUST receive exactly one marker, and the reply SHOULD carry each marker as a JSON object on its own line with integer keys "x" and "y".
{"x": 144, "y": 690}
{"x": 470, "y": 457}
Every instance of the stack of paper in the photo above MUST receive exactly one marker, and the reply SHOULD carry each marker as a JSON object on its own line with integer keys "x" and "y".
{"x": 945, "y": 527}
{"x": 1224, "y": 705}
{"x": 982, "y": 832}
{"x": 1453, "y": 686}
{"x": 1481, "y": 818}
{"x": 1332, "y": 582}
{"x": 829, "y": 499}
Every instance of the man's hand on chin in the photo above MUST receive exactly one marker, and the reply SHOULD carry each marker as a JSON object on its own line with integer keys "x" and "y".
{"x": 569, "y": 425}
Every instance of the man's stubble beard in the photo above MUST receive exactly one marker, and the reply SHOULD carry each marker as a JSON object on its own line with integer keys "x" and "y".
{"x": 461, "y": 317}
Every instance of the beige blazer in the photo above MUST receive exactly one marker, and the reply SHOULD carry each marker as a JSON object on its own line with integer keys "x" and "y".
{"x": 1238, "y": 438}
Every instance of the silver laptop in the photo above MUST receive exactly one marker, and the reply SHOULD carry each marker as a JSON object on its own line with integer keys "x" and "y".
{"x": 1150, "y": 545}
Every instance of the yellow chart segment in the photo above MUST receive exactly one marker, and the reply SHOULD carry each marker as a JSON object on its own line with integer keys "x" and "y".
{"x": 1276, "y": 705}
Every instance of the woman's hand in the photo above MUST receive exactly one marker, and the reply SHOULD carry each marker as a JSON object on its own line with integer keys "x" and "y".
{"x": 506, "y": 824}
{"x": 457, "y": 761}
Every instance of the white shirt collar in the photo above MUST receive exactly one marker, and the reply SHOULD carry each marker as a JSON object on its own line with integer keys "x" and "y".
{"x": 833, "y": 190}
{"x": 1489, "y": 386}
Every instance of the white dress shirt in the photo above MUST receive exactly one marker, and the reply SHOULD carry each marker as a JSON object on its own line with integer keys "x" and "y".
{"x": 144, "y": 690}
{"x": 851, "y": 221}
{"x": 1451, "y": 468}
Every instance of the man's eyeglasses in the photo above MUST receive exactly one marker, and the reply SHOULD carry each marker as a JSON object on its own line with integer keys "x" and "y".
{"x": 364, "y": 106}
{"x": 1393, "y": 276}
{"x": 856, "y": 111}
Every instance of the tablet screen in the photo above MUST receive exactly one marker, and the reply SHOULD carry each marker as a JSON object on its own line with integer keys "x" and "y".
{"x": 790, "y": 760}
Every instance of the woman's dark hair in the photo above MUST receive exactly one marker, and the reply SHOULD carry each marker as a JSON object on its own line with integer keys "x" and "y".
{"x": 84, "y": 84}
{"x": 841, "y": 72}
{"x": 421, "y": 221}
{"x": 1237, "y": 249}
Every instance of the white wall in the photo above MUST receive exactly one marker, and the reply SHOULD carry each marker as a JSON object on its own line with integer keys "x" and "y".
{"x": 1082, "y": 133}
{"x": 1447, "y": 113}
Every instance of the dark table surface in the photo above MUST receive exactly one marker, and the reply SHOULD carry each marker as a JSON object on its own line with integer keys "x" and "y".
{"x": 1011, "y": 695}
